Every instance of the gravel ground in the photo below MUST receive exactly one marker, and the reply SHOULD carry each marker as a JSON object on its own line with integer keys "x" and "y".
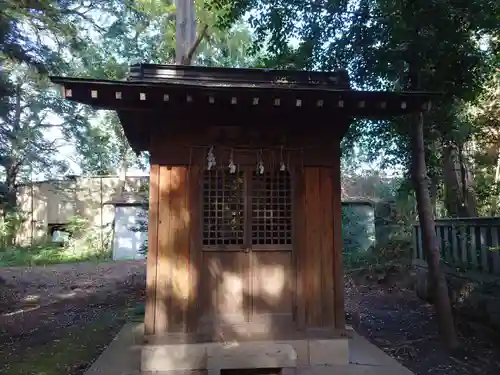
{"x": 39, "y": 305}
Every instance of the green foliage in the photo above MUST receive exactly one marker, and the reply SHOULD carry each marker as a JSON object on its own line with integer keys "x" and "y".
{"x": 42, "y": 34}
{"x": 358, "y": 228}
{"x": 483, "y": 115}
{"x": 142, "y": 227}
{"x": 229, "y": 48}
{"x": 143, "y": 31}
{"x": 406, "y": 45}
{"x": 38, "y": 37}
{"x": 48, "y": 253}
{"x": 86, "y": 243}
{"x": 33, "y": 110}
{"x": 384, "y": 44}
{"x": 88, "y": 238}
{"x": 97, "y": 39}
{"x": 393, "y": 218}
{"x": 10, "y": 223}
{"x": 77, "y": 226}
{"x": 28, "y": 28}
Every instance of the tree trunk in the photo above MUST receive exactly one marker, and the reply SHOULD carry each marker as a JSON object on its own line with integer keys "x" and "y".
{"x": 468, "y": 194}
{"x": 10, "y": 196}
{"x": 441, "y": 298}
{"x": 434, "y": 192}
{"x": 185, "y": 30}
{"x": 9, "y": 205}
{"x": 453, "y": 199}
{"x": 494, "y": 204}
{"x": 459, "y": 195}
{"x": 122, "y": 173}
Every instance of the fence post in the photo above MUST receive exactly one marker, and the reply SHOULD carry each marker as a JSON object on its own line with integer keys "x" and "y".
{"x": 454, "y": 244}
{"x": 496, "y": 251}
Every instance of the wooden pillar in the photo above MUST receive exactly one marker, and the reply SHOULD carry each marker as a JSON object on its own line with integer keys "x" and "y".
{"x": 169, "y": 277}
{"x": 152, "y": 259}
{"x": 314, "y": 297}
{"x": 299, "y": 246}
{"x": 315, "y": 248}
{"x": 338, "y": 244}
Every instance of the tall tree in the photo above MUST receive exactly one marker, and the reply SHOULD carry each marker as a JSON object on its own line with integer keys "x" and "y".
{"x": 34, "y": 127}
{"x": 37, "y": 33}
{"x": 37, "y": 37}
{"x": 483, "y": 116}
{"x": 425, "y": 211}
{"x": 144, "y": 31}
{"x": 404, "y": 45}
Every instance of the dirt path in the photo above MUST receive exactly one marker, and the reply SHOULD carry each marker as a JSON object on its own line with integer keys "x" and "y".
{"x": 40, "y": 305}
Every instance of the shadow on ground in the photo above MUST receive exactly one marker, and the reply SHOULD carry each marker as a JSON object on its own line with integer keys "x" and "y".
{"x": 64, "y": 334}
{"x": 405, "y": 327}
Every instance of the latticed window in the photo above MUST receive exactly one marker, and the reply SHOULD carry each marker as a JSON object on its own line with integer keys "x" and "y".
{"x": 223, "y": 208}
{"x": 271, "y": 205}
{"x": 247, "y": 209}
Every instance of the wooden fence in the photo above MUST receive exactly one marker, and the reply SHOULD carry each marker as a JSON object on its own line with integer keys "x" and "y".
{"x": 471, "y": 243}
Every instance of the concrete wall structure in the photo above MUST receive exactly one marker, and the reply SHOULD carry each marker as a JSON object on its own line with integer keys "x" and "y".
{"x": 54, "y": 202}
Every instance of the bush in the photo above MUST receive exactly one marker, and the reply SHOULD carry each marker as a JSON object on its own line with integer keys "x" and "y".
{"x": 393, "y": 219}
{"x": 358, "y": 227}
{"x": 84, "y": 244}
{"x": 10, "y": 223}
{"x": 142, "y": 227}
{"x": 48, "y": 253}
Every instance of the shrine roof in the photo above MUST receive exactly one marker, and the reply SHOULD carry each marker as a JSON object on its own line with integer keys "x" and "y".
{"x": 150, "y": 78}
{"x": 220, "y": 95}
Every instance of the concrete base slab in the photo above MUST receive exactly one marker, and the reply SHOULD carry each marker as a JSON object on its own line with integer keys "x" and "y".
{"x": 123, "y": 357}
{"x": 155, "y": 358}
{"x": 328, "y": 352}
{"x": 215, "y": 356}
{"x": 123, "y": 354}
{"x": 363, "y": 352}
{"x": 352, "y": 369}
{"x": 250, "y": 355}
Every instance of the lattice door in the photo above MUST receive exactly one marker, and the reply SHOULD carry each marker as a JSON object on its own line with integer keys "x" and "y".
{"x": 223, "y": 209}
{"x": 246, "y": 262}
{"x": 271, "y": 206}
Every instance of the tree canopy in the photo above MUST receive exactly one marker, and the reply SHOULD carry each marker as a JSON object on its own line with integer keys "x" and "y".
{"x": 447, "y": 46}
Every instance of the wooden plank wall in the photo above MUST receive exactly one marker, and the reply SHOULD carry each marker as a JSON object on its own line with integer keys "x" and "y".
{"x": 171, "y": 279}
{"x": 174, "y": 236}
{"x": 320, "y": 298}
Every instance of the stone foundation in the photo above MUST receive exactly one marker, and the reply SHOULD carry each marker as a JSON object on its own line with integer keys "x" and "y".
{"x": 214, "y": 357}
{"x": 123, "y": 357}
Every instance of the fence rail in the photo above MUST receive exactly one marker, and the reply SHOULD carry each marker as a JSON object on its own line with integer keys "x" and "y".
{"x": 472, "y": 243}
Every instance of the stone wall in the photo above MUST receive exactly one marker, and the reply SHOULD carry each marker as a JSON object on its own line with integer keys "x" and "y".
{"x": 475, "y": 296}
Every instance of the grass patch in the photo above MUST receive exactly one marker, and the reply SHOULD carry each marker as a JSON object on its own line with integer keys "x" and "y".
{"x": 71, "y": 353}
{"x": 45, "y": 254}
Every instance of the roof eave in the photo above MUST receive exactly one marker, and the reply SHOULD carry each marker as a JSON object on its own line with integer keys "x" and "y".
{"x": 149, "y": 95}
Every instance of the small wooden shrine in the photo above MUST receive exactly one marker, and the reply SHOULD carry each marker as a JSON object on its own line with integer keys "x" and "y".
{"x": 244, "y": 202}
